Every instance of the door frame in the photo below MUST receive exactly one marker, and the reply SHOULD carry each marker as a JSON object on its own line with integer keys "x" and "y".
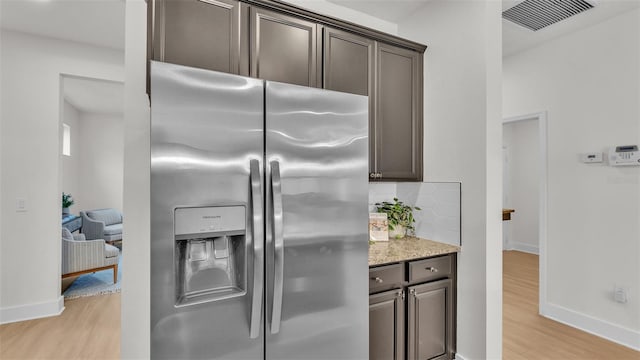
{"x": 541, "y": 117}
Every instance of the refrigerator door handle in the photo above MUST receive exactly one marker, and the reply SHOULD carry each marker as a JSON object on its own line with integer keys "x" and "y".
{"x": 278, "y": 244}
{"x": 258, "y": 250}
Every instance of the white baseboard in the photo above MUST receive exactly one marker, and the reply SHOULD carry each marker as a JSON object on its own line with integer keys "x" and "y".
{"x": 616, "y": 333}
{"x": 31, "y": 311}
{"x": 531, "y": 249}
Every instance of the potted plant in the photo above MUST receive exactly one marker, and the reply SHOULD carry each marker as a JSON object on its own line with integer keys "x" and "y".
{"x": 67, "y": 201}
{"x": 400, "y": 217}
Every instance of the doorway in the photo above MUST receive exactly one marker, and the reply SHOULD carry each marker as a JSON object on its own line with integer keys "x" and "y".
{"x": 525, "y": 179}
{"x": 91, "y": 168}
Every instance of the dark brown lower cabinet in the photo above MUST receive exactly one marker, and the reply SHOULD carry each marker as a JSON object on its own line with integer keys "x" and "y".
{"x": 430, "y": 321}
{"x": 386, "y": 324}
{"x": 416, "y": 319}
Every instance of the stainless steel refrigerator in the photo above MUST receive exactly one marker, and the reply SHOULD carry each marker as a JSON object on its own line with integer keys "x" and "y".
{"x": 259, "y": 195}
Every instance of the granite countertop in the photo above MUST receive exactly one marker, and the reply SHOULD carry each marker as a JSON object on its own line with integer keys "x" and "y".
{"x": 394, "y": 250}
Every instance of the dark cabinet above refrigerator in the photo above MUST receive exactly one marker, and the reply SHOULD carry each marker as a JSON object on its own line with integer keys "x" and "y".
{"x": 276, "y": 41}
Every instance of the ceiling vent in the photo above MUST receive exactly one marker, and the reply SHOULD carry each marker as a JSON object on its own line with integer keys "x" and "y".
{"x": 537, "y": 14}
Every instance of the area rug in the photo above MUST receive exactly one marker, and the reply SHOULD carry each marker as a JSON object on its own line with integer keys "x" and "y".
{"x": 98, "y": 283}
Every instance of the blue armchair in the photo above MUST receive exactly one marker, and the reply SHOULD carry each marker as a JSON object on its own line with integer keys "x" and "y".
{"x": 102, "y": 224}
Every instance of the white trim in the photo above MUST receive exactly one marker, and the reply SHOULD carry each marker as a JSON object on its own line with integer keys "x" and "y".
{"x": 542, "y": 211}
{"x": 31, "y": 311}
{"x": 604, "y": 329}
{"x": 531, "y": 249}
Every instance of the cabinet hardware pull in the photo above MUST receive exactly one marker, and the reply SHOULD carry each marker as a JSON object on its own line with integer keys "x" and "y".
{"x": 432, "y": 269}
{"x": 378, "y": 280}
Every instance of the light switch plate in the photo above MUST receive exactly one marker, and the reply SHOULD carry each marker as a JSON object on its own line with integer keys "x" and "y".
{"x": 21, "y": 205}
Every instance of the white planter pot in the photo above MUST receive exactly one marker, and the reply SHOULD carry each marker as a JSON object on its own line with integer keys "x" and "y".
{"x": 398, "y": 232}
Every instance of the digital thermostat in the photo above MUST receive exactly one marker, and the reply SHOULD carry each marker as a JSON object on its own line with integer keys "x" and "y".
{"x": 625, "y": 155}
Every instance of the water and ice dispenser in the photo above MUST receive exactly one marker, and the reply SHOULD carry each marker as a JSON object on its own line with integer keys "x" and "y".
{"x": 210, "y": 253}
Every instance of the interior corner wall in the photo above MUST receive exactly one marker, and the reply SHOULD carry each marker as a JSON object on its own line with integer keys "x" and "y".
{"x": 101, "y": 144}
{"x": 71, "y": 164}
{"x": 30, "y": 162}
{"x": 589, "y": 84}
{"x": 462, "y": 140}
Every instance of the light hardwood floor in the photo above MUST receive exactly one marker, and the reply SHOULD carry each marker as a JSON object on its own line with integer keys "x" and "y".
{"x": 527, "y": 335}
{"x": 89, "y": 328}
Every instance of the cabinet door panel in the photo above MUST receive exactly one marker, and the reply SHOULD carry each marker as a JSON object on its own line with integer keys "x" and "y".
{"x": 199, "y": 33}
{"x": 349, "y": 66}
{"x": 398, "y": 124}
{"x": 430, "y": 320}
{"x": 386, "y": 326}
{"x": 283, "y": 48}
{"x": 348, "y": 62}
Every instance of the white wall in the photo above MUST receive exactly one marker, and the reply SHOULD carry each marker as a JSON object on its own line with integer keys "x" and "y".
{"x": 330, "y": 9}
{"x": 521, "y": 141}
{"x": 135, "y": 314}
{"x": 462, "y": 142}
{"x": 71, "y": 164}
{"x": 101, "y": 161}
{"x": 589, "y": 82}
{"x": 439, "y": 216}
{"x": 31, "y": 164}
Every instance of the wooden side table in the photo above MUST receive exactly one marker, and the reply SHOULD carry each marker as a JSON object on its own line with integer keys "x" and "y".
{"x": 506, "y": 214}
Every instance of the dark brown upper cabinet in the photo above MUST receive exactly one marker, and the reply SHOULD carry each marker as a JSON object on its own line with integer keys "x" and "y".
{"x": 349, "y": 66}
{"x": 397, "y": 121}
{"x": 206, "y": 34}
{"x": 273, "y": 40}
{"x": 348, "y": 62}
{"x": 283, "y": 48}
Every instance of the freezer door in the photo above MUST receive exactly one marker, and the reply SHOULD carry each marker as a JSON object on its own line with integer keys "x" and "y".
{"x": 206, "y": 214}
{"x": 317, "y": 215}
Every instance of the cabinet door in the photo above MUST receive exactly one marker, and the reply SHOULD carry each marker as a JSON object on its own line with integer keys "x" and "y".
{"x": 430, "y": 317}
{"x": 200, "y": 33}
{"x": 348, "y": 62}
{"x": 283, "y": 48}
{"x": 349, "y": 66}
{"x": 386, "y": 325}
{"x": 398, "y": 117}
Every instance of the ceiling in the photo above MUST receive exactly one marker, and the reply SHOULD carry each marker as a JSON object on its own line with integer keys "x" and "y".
{"x": 94, "y": 96}
{"x": 97, "y": 22}
{"x": 514, "y": 37}
{"x": 389, "y": 10}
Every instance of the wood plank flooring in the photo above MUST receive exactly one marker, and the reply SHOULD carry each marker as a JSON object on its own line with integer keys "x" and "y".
{"x": 89, "y": 328}
{"x": 527, "y": 335}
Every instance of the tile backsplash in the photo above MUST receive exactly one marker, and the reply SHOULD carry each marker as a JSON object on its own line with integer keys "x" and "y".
{"x": 439, "y": 219}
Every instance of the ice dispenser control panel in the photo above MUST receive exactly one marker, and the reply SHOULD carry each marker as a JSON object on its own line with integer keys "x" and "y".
{"x": 213, "y": 219}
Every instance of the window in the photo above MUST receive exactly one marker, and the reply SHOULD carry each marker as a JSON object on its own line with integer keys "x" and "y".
{"x": 66, "y": 140}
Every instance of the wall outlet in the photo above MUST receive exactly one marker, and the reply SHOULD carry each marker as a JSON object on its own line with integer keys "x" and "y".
{"x": 620, "y": 295}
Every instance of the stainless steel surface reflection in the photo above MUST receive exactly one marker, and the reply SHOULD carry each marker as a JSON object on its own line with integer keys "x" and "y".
{"x": 287, "y": 281}
{"x": 206, "y": 127}
{"x": 319, "y": 139}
